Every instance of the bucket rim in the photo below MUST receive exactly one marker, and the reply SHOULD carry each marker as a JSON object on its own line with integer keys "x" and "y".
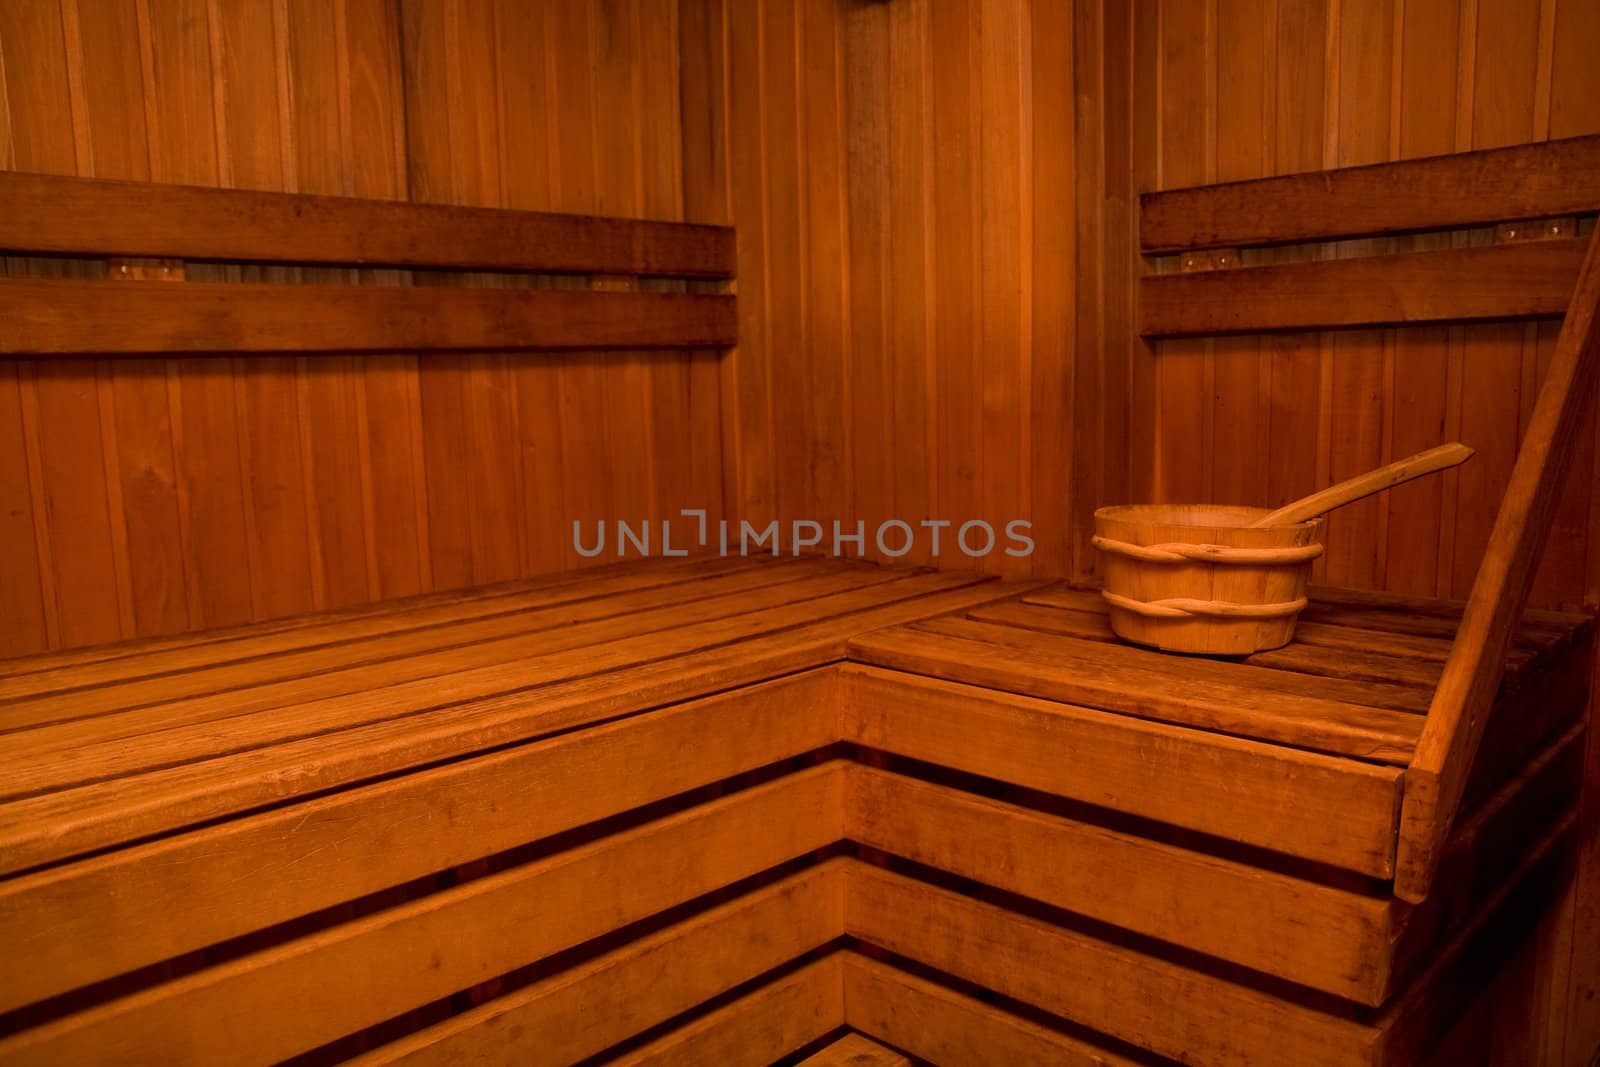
{"x": 1246, "y": 511}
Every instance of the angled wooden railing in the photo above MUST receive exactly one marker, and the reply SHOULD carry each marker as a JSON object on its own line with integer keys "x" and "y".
{"x": 1460, "y": 709}
{"x": 156, "y": 308}
{"x": 1213, "y": 295}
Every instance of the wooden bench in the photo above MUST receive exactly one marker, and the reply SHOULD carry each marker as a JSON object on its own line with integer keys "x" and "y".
{"x": 723, "y": 810}
{"x": 447, "y": 828}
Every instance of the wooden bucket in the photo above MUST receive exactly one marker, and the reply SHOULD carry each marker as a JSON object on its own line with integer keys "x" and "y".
{"x": 1197, "y": 579}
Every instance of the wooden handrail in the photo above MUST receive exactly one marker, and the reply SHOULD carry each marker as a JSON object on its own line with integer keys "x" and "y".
{"x": 1460, "y": 710}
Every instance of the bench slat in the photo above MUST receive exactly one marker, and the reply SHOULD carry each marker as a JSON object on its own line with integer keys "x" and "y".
{"x": 1314, "y": 935}
{"x": 53, "y": 826}
{"x": 88, "y": 750}
{"x": 1132, "y": 682}
{"x": 1156, "y": 1004}
{"x": 1335, "y": 811}
{"x": 621, "y": 993}
{"x": 361, "y": 973}
{"x": 497, "y": 802}
{"x": 943, "y": 1026}
{"x": 211, "y": 648}
{"x": 758, "y": 1028}
{"x": 450, "y": 646}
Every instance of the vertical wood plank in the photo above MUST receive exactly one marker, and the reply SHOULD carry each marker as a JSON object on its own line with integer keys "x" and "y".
{"x": 1055, "y": 495}
{"x": 1006, "y": 247}
{"x": 910, "y": 404}
{"x": 958, "y": 268}
{"x": 827, "y": 358}
{"x": 788, "y": 219}
{"x": 869, "y": 113}
{"x": 748, "y": 396}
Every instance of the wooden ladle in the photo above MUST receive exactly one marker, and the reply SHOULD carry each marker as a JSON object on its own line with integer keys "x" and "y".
{"x": 1364, "y": 485}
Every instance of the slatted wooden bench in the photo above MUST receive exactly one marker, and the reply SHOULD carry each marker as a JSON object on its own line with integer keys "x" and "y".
{"x": 712, "y": 810}
{"x": 1199, "y": 812}
{"x": 725, "y": 810}
{"x": 197, "y": 831}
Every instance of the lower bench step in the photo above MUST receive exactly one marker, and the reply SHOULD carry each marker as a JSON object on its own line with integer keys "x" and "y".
{"x": 853, "y": 1050}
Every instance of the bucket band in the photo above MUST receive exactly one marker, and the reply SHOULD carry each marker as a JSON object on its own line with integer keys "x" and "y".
{"x": 1182, "y": 552}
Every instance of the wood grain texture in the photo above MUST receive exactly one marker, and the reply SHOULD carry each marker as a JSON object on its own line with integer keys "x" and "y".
{"x": 558, "y": 784}
{"x": 758, "y": 1028}
{"x": 239, "y": 488}
{"x": 1456, "y": 285}
{"x": 64, "y": 317}
{"x": 119, "y": 218}
{"x": 621, "y": 993}
{"x": 1091, "y": 756}
{"x": 904, "y": 181}
{"x": 943, "y": 1026}
{"x": 1434, "y": 193}
{"x": 1313, "y": 935}
{"x": 450, "y": 939}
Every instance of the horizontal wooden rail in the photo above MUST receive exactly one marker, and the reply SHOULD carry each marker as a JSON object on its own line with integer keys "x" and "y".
{"x": 1448, "y": 747}
{"x": 59, "y": 317}
{"x": 1318, "y": 936}
{"x": 1450, "y": 285}
{"x": 1332, "y": 810}
{"x": 81, "y": 216}
{"x": 943, "y": 1026}
{"x": 1159, "y": 1005}
{"x": 760, "y": 1027}
{"x": 1464, "y": 189}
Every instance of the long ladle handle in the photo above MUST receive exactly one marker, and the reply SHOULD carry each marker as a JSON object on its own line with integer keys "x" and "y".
{"x": 1364, "y": 485}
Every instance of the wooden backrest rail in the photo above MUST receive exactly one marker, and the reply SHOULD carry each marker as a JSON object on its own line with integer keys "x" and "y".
{"x": 1528, "y": 271}
{"x": 91, "y": 216}
{"x": 1441, "y": 192}
{"x": 47, "y": 214}
{"x": 1517, "y": 277}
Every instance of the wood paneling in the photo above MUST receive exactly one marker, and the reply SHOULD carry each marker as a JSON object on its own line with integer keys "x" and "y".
{"x": 912, "y": 183}
{"x": 149, "y": 496}
{"x": 1360, "y": 83}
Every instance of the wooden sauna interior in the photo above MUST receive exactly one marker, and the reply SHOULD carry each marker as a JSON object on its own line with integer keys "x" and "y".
{"x": 323, "y": 324}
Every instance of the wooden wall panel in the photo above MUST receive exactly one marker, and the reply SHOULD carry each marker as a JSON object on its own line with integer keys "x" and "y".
{"x": 1252, "y": 87}
{"x": 907, "y": 180}
{"x": 150, "y": 496}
